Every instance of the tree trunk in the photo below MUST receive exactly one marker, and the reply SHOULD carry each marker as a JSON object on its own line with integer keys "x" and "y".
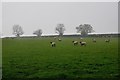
{"x": 18, "y": 35}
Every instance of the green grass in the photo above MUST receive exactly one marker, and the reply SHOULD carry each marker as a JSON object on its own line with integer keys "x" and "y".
{"x": 0, "y": 58}
{"x": 0, "y": 52}
{"x": 35, "y": 58}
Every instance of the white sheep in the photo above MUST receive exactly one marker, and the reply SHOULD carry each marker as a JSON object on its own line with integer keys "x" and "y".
{"x": 53, "y": 44}
{"x": 55, "y": 38}
{"x": 94, "y": 40}
{"x": 75, "y": 42}
{"x": 81, "y": 39}
{"x": 83, "y": 43}
{"x": 59, "y": 39}
{"x": 107, "y": 40}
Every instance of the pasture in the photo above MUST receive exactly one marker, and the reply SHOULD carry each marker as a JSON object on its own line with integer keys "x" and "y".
{"x": 35, "y": 58}
{"x": 0, "y": 58}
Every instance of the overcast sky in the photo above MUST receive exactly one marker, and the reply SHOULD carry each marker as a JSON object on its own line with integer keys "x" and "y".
{"x": 0, "y": 17}
{"x": 103, "y": 16}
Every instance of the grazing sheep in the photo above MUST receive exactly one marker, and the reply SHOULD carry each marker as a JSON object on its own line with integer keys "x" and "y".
{"x": 59, "y": 39}
{"x": 107, "y": 40}
{"x": 53, "y": 44}
{"x": 75, "y": 42}
{"x": 54, "y": 38}
{"x": 94, "y": 40}
{"x": 81, "y": 39}
{"x": 83, "y": 43}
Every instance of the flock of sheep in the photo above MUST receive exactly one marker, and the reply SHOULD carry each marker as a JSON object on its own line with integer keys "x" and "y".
{"x": 82, "y": 43}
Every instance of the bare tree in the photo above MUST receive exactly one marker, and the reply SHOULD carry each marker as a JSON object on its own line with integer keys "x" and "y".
{"x": 17, "y": 30}
{"x": 60, "y": 29}
{"x": 85, "y": 29}
{"x": 38, "y": 32}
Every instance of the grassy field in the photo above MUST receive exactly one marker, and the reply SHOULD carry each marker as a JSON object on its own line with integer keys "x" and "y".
{"x": 35, "y": 58}
{"x": 0, "y": 58}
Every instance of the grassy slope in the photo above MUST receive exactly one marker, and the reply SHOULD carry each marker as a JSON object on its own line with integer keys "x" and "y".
{"x": 0, "y": 52}
{"x": 0, "y": 58}
{"x": 35, "y": 58}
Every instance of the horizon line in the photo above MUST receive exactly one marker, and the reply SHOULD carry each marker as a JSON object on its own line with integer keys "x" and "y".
{"x": 2, "y": 36}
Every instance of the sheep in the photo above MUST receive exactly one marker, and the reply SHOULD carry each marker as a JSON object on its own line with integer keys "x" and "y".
{"x": 59, "y": 39}
{"x": 94, "y": 40}
{"x": 83, "y": 43}
{"x": 75, "y": 42}
{"x": 53, "y": 44}
{"x": 107, "y": 40}
{"x": 81, "y": 39}
{"x": 55, "y": 38}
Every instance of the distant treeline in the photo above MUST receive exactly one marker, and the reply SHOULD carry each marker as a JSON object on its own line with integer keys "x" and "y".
{"x": 90, "y": 35}
{"x": 77, "y": 35}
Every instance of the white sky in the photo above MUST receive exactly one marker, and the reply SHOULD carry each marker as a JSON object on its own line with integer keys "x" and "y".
{"x": 0, "y": 17}
{"x": 103, "y": 16}
{"x": 60, "y": 0}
